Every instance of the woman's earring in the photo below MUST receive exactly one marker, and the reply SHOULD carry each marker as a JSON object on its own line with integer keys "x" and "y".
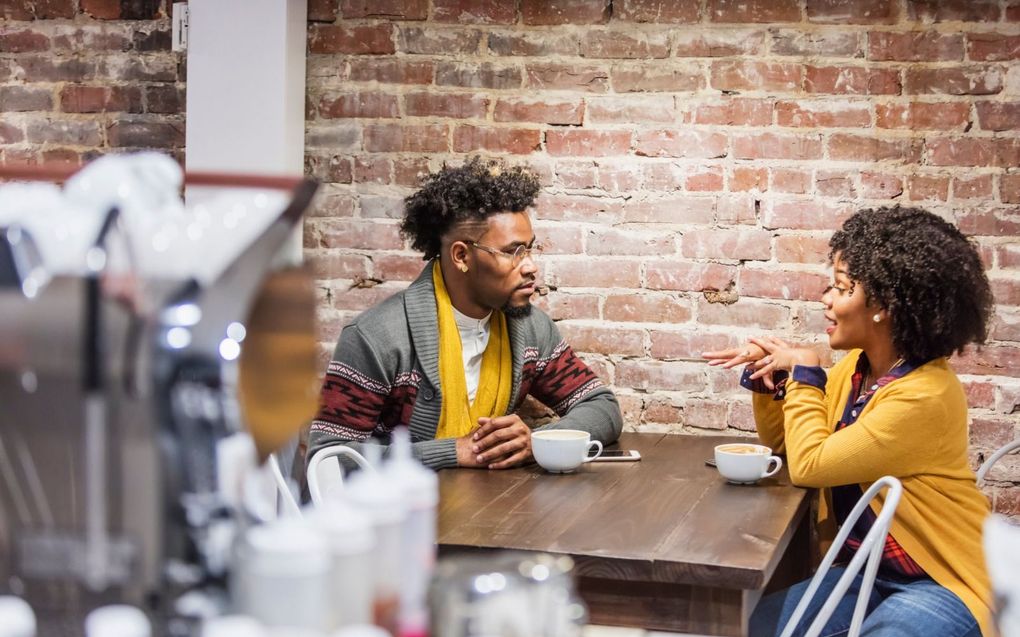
{"x": 877, "y": 318}
{"x": 464, "y": 268}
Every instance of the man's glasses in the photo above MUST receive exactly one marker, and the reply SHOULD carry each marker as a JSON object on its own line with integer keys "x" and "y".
{"x": 518, "y": 254}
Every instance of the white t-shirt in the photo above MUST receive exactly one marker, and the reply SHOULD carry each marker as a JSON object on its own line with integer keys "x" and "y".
{"x": 474, "y": 336}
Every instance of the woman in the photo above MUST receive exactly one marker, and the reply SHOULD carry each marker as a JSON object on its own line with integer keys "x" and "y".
{"x": 908, "y": 290}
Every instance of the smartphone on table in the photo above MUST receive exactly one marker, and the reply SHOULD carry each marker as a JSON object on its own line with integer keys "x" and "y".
{"x": 617, "y": 455}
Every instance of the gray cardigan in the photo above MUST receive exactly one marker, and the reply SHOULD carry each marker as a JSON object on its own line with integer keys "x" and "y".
{"x": 385, "y": 373}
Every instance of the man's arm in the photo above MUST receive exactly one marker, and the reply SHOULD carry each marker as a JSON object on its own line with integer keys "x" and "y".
{"x": 358, "y": 401}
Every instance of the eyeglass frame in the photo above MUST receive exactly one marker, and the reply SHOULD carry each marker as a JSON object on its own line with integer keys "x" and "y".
{"x": 524, "y": 251}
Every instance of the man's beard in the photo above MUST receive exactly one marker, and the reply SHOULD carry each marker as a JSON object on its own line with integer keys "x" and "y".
{"x": 516, "y": 311}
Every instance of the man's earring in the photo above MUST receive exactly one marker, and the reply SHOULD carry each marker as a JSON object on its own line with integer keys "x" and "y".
{"x": 877, "y": 318}
{"x": 464, "y": 268}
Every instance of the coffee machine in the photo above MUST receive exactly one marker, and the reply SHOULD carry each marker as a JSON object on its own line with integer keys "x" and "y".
{"x": 118, "y": 390}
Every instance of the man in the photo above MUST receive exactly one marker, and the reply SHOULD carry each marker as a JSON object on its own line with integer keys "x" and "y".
{"x": 453, "y": 356}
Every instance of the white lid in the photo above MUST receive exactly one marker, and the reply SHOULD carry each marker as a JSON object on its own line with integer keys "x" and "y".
{"x": 420, "y": 485}
{"x": 347, "y": 529}
{"x": 360, "y": 630}
{"x": 232, "y": 626}
{"x": 16, "y": 617}
{"x": 373, "y": 493}
{"x": 290, "y": 546}
{"x": 117, "y": 620}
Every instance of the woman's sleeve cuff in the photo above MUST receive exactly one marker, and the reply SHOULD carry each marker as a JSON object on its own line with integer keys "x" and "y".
{"x": 758, "y": 385}
{"x": 810, "y": 375}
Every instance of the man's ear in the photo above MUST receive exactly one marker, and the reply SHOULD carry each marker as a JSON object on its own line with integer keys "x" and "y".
{"x": 460, "y": 256}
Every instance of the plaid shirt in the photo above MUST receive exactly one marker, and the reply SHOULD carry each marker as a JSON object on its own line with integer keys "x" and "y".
{"x": 895, "y": 561}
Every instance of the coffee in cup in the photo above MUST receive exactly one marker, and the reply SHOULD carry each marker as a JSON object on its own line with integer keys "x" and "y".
{"x": 745, "y": 463}
{"x": 563, "y": 450}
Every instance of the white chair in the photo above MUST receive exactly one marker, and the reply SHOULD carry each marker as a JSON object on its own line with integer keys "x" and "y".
{"x": 870, "y": 550}
{"x": 992, "y": 459}
{"x": 326, "y": 478}
{"x": 1002, "y": 554}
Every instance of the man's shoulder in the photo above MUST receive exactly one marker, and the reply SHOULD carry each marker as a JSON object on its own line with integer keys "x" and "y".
{"x": 384, "y": 319}
{"x": 538, "y": 326}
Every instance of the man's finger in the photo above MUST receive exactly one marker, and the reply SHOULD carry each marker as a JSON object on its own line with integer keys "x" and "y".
{"x": 502, "y": 450}
{"x": 515, "y": 460}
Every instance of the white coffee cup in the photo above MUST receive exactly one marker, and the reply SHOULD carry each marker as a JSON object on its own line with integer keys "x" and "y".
{"x": 563, "y": 450}
{"x": 746, "y": 463}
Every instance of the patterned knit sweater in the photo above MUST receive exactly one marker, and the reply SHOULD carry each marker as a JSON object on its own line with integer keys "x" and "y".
{"x": 385, "y": 373}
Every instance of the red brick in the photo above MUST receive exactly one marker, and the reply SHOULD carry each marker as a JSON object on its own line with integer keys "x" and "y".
{"x": 744, "y": 11}
{"x": 735, "y": 112}
{"x": 587, "y": 143}
{"x": 1012, "y": 12}
{"x": 386, "y": 9}
{"x": 579, "y": 208}
{"x": 63, "y": 156}
{"x": 560, "y": 239}
{"x": 357, "y": 40}
{"x": 655, "y": 375}
{"x": 745, "y": 313}
{"x": 577, "y": 175}
{"x": 1006, "y": 322}
{"x": 615, "y": 242}
{"x": 797, "y": 42}
{"x": 435, "y": 41}
{"x": 801, "y": 248}
{"x": 617, "y": 177}
{"x": 329, "y": 168}
{"x": 542, "y": 111}
{"x": 661, "y": 176}
{"x": 358, "y": 104}
{"x": 331, "y": 201}
{"x": 657, "y": 11}
{"x": 519, "y": 141}
{"x": 474, "y": 11}
{"x": 972, "y": 188}
{"x": 149, "y": 133}
{"x": 701, "y": 43}
{"x": 745, "y": 245}
{"x": 164, "y": 98}
{"x": 823, "y": 114}
{"x": 662, "y": 410}
{"x": 98, "y": 99}
{"x": 988, "y": 47}
{"x": 10, "y": 134}
{"x": 39, "y": 10}
{"x": 996, "y": 360}
{"x": 953, "y": 10}
{"x": 806, "y": 215}
{"x": 680, "y": 143}
{"x": 961, "y": 80}
{"x": 335, "y": 136}
{"x": 962, "y": 151}
{"x": 614, "y": 274}
{"x": 923, "y": 115}
{"x": 851, "y": 80}
{"x": 705, "y": 179}
{"x": 25, "y": 98}
{"x": 980, "y": 395}
{"x": 782, "y": 284}
{"x": 860, "y": 148}
{"x": 331, "y": 265}
{"x": 560, "y": 306}
{"x": 620, "y": 44}
{"x": 688, "y": 276}
{"x": 454, "y": 105}
{"x": 834, "y": 184}
{"x": 688, "y": 345}
{"x": 647, "y": 308}
{"x": 533, "y": 43}
{"x": 101, "y": 9}
{"x": 999, "y": 116}
{"x": 655, "y": 78}
{"x": 375, "y": 169}
{"x": 65, "y": 132}
{"x": 32, "y": 69}
{"x": 475, "y": 75}
{"x": 569, "y": 77}
{"x": 322, "y": 10}
{"x": 390, "y": 71}
{"x": 677, "y": 210}
{"x": 776, "y": 146}
{"x": 705, "y": 413}
{"x": 988, "y": 222}
{"x": 881, "y": 185}
{"x": 745, "y": 75}
{"x": 604, "y": 340}
{"x": 1006, "y": 291}
{"x": 394, "y": 267}
{"x": 928, "y": 187}
{"x": 914, "y": 46}
{"x": 852, "y": 11}
{"x": 747, "y": 178}
{"x": 158, "y": 39}
{"x": 550, "y": 12}
{"x": 627, "y": 110}
{"x": 23, "y": 41}
{"x": 1009, "y": 188}
{"x": 791, "y": 180}
{"x": 360, "y": 235}
{"x": 389, "y": 138}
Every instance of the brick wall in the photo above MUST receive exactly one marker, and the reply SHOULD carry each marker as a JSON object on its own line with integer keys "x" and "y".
{"x": 80, "y": 78}
{"x": 695, "y": 156}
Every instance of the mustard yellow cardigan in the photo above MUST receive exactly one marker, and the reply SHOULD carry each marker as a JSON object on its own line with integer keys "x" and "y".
{"x": 915, "y": 429}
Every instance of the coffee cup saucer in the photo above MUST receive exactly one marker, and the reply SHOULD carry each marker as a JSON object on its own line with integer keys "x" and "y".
{"x": 740, "y": 482}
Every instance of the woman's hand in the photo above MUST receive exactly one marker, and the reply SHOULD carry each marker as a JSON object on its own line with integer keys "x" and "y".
{"x": 780, "y": 356}
{"x": 728, "y": 358}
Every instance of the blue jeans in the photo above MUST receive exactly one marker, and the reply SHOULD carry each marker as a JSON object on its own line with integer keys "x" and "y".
{"x": 896, "y": 608}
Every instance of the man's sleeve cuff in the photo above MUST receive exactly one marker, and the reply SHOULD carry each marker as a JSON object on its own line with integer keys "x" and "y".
{"x": 810, "y": 375}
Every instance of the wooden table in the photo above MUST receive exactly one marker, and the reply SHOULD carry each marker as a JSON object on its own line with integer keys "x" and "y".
{"x": 664, "y": 543}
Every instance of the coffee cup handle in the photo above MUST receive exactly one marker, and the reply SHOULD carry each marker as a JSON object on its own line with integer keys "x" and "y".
{"x": 779, "y": 465}
{"x": 597, "y": 444}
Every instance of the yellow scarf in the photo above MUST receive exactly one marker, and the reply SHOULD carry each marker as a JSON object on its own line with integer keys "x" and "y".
{"x": 457, "y": 418}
